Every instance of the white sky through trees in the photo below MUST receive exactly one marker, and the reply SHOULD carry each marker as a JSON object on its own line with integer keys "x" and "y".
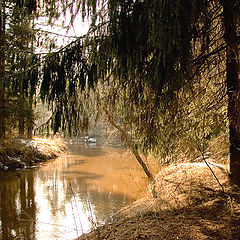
{"x": 62, "y": 30}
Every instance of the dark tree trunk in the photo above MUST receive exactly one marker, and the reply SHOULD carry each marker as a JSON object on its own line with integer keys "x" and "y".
{"x": 21, "y": 127}
{"x": 2, "y": 102}
{"x": 29, "y": 120}
{"x": 2, "y": 72}
{"x": 233, "y": 85}
{"x": 30, "y": 131}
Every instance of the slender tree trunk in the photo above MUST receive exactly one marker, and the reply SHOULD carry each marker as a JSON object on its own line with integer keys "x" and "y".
{"x": 233, "y": 85}
{"x": 30, "y": 130}
{"x": 130, "y": 144}
{"x": 21, "y": 115}
{"x": 2, "y": 72}
{"x": 21, "y": 127}
{"x": 30, "y": 120}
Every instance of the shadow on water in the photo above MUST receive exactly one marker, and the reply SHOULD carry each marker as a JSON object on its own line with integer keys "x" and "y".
{"x": 82, "y": 176}
{"x": 98, "y": 205}
{"x": 76, "y": 163}
{"x": 66, "y": 196}
{"x": 87, "y": 150}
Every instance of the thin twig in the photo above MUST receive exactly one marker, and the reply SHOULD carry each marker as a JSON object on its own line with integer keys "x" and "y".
{"x": 75, "y": 222}
{"x": 213, "y": 172}
{"x": 203, "y": 155}
{"x": 75, "y": 201}
{"x": 34, "y": 220}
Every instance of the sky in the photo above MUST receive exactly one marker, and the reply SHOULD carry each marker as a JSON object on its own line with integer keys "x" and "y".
{"x": 60, "y": 33}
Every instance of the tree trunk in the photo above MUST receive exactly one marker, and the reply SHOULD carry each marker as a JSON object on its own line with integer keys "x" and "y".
{"x": 30, "y": 121}
{"x": 2, "y": 72}
{"x": 130, "y": 144}
{"x": 30, "y": 130}
{"x": 233, "y": 85}
{"x": 21, "y": 127}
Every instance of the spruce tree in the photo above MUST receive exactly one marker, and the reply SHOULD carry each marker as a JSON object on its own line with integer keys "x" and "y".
{"x": 151, "y": 52}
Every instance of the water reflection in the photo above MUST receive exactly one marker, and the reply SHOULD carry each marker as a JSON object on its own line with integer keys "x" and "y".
{"x": 18, "y": 206}
{"x": 69, "y": 195}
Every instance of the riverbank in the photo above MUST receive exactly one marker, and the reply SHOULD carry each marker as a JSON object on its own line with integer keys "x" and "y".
{"x": 21, "y": 153}
{"x": 188, "y": 203}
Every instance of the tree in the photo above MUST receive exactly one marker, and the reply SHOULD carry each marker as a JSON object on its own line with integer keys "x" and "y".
{"x": 232, "y": 39}
{"x": 22, "y": 79}
{"x": 13, "y": 37}
{"x": 19, "y": 65}
{"x": 2, "y": 70}
{"x": 153, "y": 51}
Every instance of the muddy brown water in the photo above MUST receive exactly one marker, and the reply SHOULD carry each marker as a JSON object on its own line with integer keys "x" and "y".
{"x": 70, "y": 195}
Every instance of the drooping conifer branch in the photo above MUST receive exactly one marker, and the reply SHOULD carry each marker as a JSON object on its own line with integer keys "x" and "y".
{"x": 166, "y": 60}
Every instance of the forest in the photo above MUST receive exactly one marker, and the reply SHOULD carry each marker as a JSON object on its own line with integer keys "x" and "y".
{"x": 164, "y": 74}
{"x": 168, "y": 76}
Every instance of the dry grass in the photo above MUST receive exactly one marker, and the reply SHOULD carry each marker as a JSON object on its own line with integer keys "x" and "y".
{"x": 19, "y": 153}
{"x": 189, "y": 205}
{"x": 219, "y": 149}
{"x": 50, "y": 147}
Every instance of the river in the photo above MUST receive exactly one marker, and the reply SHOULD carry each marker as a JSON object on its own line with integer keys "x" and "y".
{"x": 68, "y": 196}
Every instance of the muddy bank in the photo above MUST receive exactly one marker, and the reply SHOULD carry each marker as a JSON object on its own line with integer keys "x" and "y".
{"x": 190, "y": 204}
{"x": 21, "y": 153}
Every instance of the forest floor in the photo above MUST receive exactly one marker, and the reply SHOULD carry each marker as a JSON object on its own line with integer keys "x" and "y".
{"x": 21, "y": 153}
{"x": 188, "y": 203}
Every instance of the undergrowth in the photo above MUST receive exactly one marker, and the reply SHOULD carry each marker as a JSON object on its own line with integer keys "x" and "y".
{"x": 20, "y": 153}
